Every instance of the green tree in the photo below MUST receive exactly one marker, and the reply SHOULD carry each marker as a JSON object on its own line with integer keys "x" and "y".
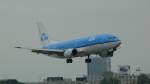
{"x": 110, "y": 81}
{"x": 143, "y": 79}
{"x": 10, "y": 81}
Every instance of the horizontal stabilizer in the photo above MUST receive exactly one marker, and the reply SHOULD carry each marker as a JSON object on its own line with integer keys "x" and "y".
{"x": 45, "y": 51}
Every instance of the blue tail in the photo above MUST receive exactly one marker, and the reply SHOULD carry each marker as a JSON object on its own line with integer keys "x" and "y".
{"x": 43, "y": 33}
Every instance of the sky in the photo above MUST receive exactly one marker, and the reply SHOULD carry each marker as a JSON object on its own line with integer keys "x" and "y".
{"x": 67, "y": 19}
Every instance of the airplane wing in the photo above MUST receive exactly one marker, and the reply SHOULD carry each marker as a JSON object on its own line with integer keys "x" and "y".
{"x": 45, "y": 51}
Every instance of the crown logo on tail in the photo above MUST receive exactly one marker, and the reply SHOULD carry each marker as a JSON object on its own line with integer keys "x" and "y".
{"x": 44, "y": 37}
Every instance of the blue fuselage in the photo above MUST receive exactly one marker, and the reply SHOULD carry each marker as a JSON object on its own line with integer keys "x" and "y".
{"x": 83, "y": 42}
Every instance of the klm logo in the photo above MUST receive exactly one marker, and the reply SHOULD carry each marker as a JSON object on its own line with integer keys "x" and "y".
{"x": 44, "y": 37}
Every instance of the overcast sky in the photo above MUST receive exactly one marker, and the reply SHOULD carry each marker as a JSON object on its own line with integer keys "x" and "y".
{"x": 67, "y": 19}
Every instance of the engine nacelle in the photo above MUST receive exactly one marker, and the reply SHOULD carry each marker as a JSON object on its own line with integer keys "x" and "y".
{"x": 70, "y": 52}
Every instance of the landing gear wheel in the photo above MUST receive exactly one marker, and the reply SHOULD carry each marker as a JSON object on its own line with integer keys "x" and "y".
{"x": 114, "y": 49}
{"x": 111, "y": 53}
{"x": 69, "y": 61}
{"x": 88, "y": 60}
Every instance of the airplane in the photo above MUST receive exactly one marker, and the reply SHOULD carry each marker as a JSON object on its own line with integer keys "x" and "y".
{"x": 103, "y": 45}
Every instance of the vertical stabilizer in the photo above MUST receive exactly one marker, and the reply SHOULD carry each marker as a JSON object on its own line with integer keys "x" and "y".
{"x": 43, "y": 33}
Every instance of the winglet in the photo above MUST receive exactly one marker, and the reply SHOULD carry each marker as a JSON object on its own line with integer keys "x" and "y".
{"x": 18, "y": 47}
{"x": 23, "y": 48}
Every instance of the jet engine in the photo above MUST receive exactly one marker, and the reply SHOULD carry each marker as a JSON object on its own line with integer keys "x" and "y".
{"x": 70, "y": 52}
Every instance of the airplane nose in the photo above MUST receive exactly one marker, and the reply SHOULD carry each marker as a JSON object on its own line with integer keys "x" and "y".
{"x": 118, "y": 45}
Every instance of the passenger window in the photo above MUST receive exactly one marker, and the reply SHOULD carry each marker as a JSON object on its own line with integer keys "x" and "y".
{"x": 91, "y": 38}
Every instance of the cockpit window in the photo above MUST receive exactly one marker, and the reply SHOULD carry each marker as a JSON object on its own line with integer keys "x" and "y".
{"x": 112, "y": 38}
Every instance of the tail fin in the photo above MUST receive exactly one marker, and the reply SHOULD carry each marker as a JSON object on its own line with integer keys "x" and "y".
{"x": 43, "y": 33}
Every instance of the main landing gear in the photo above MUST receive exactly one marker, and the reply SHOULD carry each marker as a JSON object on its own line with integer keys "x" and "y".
{"x": 69, "y": 60}
{"x": 88, "y": 60}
